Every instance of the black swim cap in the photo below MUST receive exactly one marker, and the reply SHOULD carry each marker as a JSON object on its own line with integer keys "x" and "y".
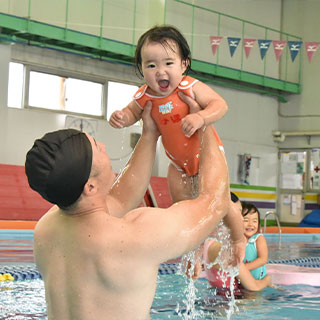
{"x": 58, "y": 166}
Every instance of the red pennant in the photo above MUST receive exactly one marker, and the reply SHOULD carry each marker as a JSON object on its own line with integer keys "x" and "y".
{"x": 278, "y": 47}
{"x": 311, "y": 48}
{"x": 248, "y": 45}
{"x": 215, "y": 42}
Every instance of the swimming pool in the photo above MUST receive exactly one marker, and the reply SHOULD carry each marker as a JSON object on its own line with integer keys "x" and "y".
{"x": 25, "y": 299}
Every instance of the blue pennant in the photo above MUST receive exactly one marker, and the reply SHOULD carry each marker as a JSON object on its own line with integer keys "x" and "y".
{"x": 294, "y": 47}
{"x": 264, "y": 46}
{"x": 233, "y": 44}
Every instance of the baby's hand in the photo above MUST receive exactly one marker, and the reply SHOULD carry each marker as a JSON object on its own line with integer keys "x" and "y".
{"x": 191, "y": 123}
{"x": 117, "y": 119}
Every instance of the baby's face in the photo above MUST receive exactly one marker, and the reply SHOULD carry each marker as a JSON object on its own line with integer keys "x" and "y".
{"x": 251, "y": 224}
{"x": 162, "y": 67}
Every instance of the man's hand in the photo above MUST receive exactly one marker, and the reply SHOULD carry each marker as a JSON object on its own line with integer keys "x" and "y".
{"x": 117, "y": 119}
{"x": 149, "y": 126}
{"x": 193, "y": 121}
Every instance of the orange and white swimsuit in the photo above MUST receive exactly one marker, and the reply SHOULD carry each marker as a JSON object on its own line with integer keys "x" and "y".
{"x": 168, "y": 112}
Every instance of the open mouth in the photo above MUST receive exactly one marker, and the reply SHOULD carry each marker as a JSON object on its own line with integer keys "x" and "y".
{"x": 163, "y": 84}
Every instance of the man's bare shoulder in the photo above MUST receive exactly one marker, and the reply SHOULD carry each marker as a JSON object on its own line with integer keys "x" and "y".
{"x": 142, "y": 213}
{"x": 45, "y": 219}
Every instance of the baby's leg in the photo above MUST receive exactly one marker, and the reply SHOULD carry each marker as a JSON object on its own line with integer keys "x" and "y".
{"x": 181, "y": 186}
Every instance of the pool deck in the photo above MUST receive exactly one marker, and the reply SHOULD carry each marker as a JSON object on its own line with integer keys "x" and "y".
{"x": 17, "y": 224}
{"x": 30, "y": 225}
{"x": 289, "y": 230}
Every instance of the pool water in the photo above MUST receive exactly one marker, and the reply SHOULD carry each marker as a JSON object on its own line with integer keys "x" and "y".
{"x": 25, "y": 300}
{"x": 288, "y": 302}
{"x": 21, "y": 300}
{"x": 293, "y": 246}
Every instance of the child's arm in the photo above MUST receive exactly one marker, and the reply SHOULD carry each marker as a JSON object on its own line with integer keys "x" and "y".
{"x": 126, "y": 117}
{"x": 247, "y": 280}
{"x": 213, "y": 108}
{"x": 262, "y": 249}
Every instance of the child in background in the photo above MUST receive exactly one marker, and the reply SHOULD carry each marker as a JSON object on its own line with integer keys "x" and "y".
{"x": 210, "y": 252}
{"x": 256, "y": 256}
{"x": 162, "y": 57}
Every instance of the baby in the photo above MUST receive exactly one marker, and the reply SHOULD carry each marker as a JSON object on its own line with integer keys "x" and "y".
{"x": 162, "y": 58}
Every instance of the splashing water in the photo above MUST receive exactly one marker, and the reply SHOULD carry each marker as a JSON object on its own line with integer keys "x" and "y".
{"x": 188, "y": 263}
{"x": 224, "y": 258}
{"x": 227, "y": 271}
{"x": 189, "y": 312}
{"x": 194, "y": 187}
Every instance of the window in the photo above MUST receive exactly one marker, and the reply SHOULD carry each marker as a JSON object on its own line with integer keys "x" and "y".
{"x": 58, "y": 93}
{"x": 54, "y": 92}
{"x": 119, "y": 95}
{"x": 63, "y": 93}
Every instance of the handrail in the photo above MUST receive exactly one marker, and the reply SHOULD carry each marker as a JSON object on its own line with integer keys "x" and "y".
{"x": 239, "y": 19}
{"x": 282, "y": 35}
{"x": 277, "y": 220}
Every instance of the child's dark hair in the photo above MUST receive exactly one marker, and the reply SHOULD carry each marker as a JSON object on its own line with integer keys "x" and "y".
{"x": 161, "y": 34}
{"x": 234, "y": 197}
{"x": 249, "y": 207}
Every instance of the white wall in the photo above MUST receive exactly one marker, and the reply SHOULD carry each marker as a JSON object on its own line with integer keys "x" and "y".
{"x": 245, "y": 129}
{"x": 22, "y": 126}
{"x": 302, "y": 112}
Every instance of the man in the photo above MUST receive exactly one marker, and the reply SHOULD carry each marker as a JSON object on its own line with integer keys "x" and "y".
{"x": 97, "y": 263}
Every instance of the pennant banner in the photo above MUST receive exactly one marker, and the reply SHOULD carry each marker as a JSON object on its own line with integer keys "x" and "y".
{"x": 248, "y": 45}
{"x": 294, "y": 47}
{"x": 278, "y": 47}
{"x": 233, "y": 44}
{"x": 263, "y": 46}
{"x": 311, "y": 48}
{"x": 215, "y": 43}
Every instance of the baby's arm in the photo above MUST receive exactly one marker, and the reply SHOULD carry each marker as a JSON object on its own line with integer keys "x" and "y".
{"x": 262, "y": 249}
{"x": 126, "y": 117}
{"x": 213, "y": 108}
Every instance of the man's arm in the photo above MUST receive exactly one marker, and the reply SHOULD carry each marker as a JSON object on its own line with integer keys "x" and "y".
{"x": 130, "y": 187}
{"x": 234, "y": 221}
{"x": 168, "y": 233}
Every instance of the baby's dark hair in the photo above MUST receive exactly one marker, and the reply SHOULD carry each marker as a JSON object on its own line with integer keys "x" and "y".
{"x": 161, "y": 34}
{"x": 249, "y": 207}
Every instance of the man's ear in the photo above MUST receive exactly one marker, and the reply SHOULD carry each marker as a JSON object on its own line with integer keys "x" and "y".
{"x": 90, "y": 188}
